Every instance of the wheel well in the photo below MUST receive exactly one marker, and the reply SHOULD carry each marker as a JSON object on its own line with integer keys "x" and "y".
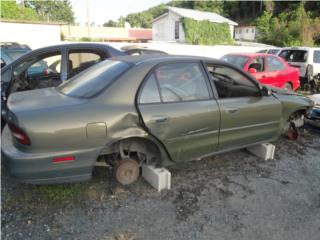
{"x": 144, "y": 150}
{"x": 297, "y": 114}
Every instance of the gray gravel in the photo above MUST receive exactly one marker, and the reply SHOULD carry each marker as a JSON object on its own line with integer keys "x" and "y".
{"x": 228, "y": 196}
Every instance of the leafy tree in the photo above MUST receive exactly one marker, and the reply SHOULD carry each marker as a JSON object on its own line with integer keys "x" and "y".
{"x": 10, "y": 10}
{"x": 110, "y": 23}
{"x": 121, "y": 21}
{"x": 54, "y": 10}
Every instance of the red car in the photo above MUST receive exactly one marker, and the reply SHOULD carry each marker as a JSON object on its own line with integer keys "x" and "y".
{"x": 266, "y": 68}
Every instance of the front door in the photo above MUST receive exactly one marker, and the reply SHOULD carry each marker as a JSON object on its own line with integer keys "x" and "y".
{"x": 178, "y": 108}
{"x": 247, "y": 117}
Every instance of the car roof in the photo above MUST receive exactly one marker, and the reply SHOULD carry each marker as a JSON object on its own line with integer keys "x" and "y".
{"x": 300, "y": 48}
{"x": 251, "y": 54}
{"x": 138, "y": 59}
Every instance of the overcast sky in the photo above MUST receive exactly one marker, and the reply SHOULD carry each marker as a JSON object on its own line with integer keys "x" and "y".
{"x": 101, "y": 11}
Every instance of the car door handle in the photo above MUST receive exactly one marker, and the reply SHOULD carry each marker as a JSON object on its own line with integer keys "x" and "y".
{"x": 232, "y": 110}
{"x": 159, "y": 119}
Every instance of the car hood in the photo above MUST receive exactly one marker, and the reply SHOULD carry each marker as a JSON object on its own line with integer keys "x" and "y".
{"x": 40, "y": 99}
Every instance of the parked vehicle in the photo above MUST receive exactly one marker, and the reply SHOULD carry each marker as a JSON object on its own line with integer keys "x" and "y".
{"x": 306, "y": 60}
{"x": 139, "y": 50}
{"x": 313, "y": 116}
{"x": 273, "y": 51}
{"x": 134, "y": 110}
{"x": 267, "y": 69}
{"x": 50, "y": 66}
{"x": 10, "y": 51}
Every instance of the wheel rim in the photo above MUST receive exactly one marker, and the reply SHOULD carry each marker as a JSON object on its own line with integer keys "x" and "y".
{"x": 127, "y": 171}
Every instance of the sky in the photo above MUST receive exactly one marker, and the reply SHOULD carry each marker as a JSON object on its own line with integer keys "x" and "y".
{"x": 100, "y": 11}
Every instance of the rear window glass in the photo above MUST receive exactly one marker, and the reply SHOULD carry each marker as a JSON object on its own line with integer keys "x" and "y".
{"x": 93, "y": 80}
{"x": 316, "y": 57}
{"x": 239, "y": 61}
{"x": 294, "y": 55}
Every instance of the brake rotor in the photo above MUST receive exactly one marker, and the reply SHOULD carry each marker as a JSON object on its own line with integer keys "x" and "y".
{"x": 127, "y": 171}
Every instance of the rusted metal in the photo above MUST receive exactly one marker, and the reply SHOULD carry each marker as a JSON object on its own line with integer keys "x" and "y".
{"x": 127, "y": 171}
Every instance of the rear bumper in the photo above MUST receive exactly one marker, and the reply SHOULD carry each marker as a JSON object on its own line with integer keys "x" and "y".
{"x": 38, "y": 168}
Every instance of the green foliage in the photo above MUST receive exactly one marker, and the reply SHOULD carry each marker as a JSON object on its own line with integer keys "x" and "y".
{"x": 10, "y": 10}
{"x": 110, "y": 23}
{"x": 206, "y": 32}
{"x": 294, "y": 28}
{"x": 54, "y": 10}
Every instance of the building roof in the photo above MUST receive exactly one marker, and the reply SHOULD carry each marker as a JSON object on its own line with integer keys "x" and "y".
{"x": 199, "y": 15}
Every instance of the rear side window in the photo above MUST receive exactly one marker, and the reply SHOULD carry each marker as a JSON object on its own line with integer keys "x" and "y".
{"x": 274, "y": 64}
{"x": 93, "y": 80}
{"x": 181, "y": 82}
{"x": 81, "y": 60}
{"x": 316, "y": 56}
{"x": 150, "y": 92}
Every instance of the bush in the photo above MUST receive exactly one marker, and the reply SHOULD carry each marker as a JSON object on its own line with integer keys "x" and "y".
{"x": 205, "y": 32}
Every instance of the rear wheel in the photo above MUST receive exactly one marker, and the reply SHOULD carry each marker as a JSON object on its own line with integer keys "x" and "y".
{"x": 127, "y": 171}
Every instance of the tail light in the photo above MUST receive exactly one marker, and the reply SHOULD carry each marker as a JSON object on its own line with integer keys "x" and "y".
{"x": 19, "y": 134}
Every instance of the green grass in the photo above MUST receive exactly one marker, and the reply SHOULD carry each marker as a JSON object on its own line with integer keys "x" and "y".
{"x": 58, "y": 192}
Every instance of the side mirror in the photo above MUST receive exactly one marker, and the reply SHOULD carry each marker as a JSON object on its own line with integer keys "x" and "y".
{"x": 265, "y": 91}
{"x": 252, "y": 70}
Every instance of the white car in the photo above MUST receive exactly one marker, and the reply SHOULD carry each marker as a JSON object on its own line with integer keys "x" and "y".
{"x": 306, "y": 59}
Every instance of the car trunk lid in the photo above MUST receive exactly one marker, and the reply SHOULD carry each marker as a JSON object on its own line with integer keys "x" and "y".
{"x": 40, "y": 99}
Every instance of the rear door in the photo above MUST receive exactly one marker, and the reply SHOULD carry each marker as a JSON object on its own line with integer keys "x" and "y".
{"x": 276, "y": 71}
{"x": 178, "y": 108}
{"x": 247, "y": 117}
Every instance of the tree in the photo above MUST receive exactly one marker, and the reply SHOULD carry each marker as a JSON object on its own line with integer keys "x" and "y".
{"x": 110, "y": 23}
{"x": 54, "y": 10}
{"x": 10, "y": 10}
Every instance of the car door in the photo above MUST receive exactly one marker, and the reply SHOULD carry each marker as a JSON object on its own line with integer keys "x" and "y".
{"x": 37, "y": 70}
{"x": 276, "y": 72}
{"x": 247, "y": 117}
{"x": 178, "y": 108}
{"x": 258, "y": 63}
{"x": 79, "y": 59}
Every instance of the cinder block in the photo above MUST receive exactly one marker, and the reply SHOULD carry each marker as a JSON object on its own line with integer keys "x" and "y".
{"x": 159, "y": 178}
{"x": 264, "y": 151}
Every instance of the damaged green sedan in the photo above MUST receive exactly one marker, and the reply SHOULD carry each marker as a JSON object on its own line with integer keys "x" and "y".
{"x": 134, "y": 110}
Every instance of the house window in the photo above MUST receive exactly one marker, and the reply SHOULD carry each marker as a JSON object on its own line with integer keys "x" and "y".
{"x": 252, "y": 30}
{"x": 176, "y": 30}
{"x": 247, "y": 30}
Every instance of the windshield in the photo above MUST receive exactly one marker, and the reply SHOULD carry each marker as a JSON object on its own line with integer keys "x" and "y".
{"x": 237, "y": 60}
{"x": 294, "y": 55}
{"x": 96, "y": 78}
{"x": 16, "y": 55}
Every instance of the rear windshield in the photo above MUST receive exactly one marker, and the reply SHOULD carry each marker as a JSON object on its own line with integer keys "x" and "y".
{"x": 237, "y": 60}
{"x": 93, "y": 80}
{"x": 294, "y": 55}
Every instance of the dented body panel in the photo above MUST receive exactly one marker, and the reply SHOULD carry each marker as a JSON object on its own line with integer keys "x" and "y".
{"x": 60, "y": 125}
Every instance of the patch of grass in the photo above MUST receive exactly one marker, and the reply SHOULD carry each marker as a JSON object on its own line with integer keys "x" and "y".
{"x": 59, "y": 192}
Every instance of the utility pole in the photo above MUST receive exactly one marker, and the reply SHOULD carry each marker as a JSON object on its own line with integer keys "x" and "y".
{"x": 88, "y": 19}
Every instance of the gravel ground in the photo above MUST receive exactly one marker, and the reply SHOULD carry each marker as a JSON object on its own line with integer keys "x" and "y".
{"x": 228, "y": 196}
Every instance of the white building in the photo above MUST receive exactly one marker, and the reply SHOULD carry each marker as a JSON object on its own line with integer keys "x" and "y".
{"x": 245, "y": 33}
{"x": 168, "y": 27}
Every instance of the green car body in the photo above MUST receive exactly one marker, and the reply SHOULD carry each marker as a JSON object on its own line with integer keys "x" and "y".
{"x": 64, "y": 124}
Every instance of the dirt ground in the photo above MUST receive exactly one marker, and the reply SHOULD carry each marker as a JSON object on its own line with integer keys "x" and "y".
{"x": 228, "y": 196}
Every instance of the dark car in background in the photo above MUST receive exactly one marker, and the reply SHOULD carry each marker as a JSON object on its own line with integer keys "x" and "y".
{"x": 11, "y": 51}
{"x": 50, "y": 66}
